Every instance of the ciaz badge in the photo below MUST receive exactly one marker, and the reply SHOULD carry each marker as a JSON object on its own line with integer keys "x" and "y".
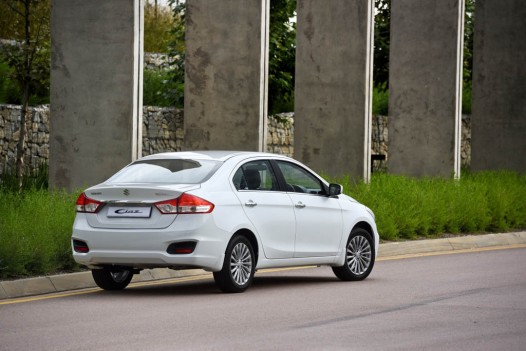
{"x": 138, "y": 212}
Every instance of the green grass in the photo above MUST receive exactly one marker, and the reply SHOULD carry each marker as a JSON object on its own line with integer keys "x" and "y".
{"x": 408, "y": 208}
{"x": 35, "y": 232}
{"x": 35, "y": 224}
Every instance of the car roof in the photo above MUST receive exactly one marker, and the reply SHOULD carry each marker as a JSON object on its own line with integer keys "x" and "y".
{"x": 216, "y": 155}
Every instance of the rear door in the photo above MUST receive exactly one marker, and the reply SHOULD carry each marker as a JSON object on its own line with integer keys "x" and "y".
{"x": 269, "y": 209}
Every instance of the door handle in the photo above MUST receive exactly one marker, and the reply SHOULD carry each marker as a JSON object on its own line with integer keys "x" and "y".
{"x": 250, "y": 203}
{"x": 300, "y": 205}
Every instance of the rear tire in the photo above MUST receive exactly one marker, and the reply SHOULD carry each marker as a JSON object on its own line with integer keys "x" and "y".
{"x": 359, "y": 256}
{"x": 238, "y": 267}
{"x": 112, "y": 279}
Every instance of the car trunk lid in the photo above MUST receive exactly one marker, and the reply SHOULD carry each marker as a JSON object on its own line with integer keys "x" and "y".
{"x": 132, "y": 206}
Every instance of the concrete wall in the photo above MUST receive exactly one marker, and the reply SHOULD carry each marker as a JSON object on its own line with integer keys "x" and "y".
{"x": 333, "y": 85}
{"x": 226, "y": 74}
{"x": 499, "y": 86}
{"x": 96, "y": 98}
{"x": 425, "y": 74}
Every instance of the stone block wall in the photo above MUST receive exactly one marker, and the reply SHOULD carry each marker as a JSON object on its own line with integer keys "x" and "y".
{"x": 280, "y": 134}
{"x": 37, "y": 137}
{"x": 163, "y": 131}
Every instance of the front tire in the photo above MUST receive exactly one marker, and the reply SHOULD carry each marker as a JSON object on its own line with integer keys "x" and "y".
{"x": 112, "y": 279}
{"x": 238, "y": 267}
{"x": 359, "y": 256}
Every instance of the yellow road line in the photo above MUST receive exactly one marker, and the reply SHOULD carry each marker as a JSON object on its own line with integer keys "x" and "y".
{"x": 171, "y": 280}
{"x": 273, "y": 270}
{"x": 268, "y": 270}
{"x": 50, "y": 296}
{"x": 450, "y": 252}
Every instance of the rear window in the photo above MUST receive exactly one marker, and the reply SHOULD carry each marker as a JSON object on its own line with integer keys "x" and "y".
{"x": 173, "y": 171}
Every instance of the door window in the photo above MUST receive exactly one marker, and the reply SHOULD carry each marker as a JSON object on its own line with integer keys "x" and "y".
{"x": 255, "y": 175}
{"x": 299, "y": 180}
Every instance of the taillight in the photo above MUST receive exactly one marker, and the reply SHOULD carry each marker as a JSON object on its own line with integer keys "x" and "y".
{"x": 167, "y": 207}
{"x": 192, "y": 204}
{"x": 87, "y": 205}
{"x": 185, "y": 203}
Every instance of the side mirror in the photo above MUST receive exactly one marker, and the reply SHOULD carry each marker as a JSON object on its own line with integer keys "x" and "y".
{"x": 335, "y": 190}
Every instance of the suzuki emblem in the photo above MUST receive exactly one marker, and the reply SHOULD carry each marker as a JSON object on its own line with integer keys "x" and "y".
{"x": 126, "y": 192}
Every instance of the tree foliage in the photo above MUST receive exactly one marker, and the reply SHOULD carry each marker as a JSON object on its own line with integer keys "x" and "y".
{"x": 25, "y": 51}
{"x": 158, "y": 23}
{"x": 175, "y": 84}
{"x": 282, "y": 56}
{"x": 382, "y": 32}
{"x": 29, "y": 59}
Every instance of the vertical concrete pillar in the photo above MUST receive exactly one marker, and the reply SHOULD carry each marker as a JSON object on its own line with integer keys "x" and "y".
{"x": 225, "y": 102}
{"x": 498, "y": 135}
{"x": 96, "y": 89}
{"x": 425, "y": 80}
{"x": 333, "y": 86}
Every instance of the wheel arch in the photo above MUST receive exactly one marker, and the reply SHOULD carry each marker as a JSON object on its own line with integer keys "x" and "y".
{"x": 249, "y": 235}
{"x": 367, "y": 227}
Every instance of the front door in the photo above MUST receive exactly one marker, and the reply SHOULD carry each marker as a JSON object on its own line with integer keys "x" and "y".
{"x": 319, "y": 225}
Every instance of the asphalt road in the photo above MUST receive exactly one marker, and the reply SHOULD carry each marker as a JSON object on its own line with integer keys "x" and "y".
{"x": 469, "y": 301}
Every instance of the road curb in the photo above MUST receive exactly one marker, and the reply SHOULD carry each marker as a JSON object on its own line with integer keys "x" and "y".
{"x": 83, "y": 280}
{"x": 450, "y": 244}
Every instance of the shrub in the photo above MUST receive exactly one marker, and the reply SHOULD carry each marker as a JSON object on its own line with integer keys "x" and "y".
{"x": 466, "y": 99}
{"x": 408, "y": 208}
{"x": 9, "y": 91}
{"x": 380, "y": 100}
{"x": 160, "y": 89}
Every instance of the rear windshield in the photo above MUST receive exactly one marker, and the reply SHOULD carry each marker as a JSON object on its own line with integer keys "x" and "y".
{"x": 173, "y": 171}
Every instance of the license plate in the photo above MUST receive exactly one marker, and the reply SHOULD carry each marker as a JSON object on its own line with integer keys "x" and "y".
{"x": 136, "y": 212}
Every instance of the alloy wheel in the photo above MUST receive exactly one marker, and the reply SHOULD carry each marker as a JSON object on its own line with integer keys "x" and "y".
{"x": 359, "y": 255}
{"x": 241, "y": 263}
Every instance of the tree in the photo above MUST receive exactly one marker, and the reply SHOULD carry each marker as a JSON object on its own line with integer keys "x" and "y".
{"x": 29, "y": 58}
{"x": 177, "y": 53}
{"x": 382, "y": 32}
{"x": 468, "y": 55}
{"x": 158, "y": 22}
{"x": 282, "y": 56}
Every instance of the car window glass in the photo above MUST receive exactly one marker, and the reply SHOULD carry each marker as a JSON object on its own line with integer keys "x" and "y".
{"x": 173, "y": 171}
{"x": 300, "y": 180}
{"x": 255, "y": 175}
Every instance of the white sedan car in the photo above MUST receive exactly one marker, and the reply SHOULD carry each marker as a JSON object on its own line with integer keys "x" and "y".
{"x": 230, "y": 213}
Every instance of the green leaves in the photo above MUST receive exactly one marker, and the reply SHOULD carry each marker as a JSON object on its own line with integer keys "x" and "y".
{"x": 282, "y": 56}
{"x": 28, "y": 52}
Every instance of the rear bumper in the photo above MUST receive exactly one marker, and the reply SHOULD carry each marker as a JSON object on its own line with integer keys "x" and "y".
{"x": 141, "y": 248}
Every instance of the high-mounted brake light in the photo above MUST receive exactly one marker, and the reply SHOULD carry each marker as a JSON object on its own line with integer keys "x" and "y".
{"x": 185, "y": 203}
{"x": 86, "y": 205}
